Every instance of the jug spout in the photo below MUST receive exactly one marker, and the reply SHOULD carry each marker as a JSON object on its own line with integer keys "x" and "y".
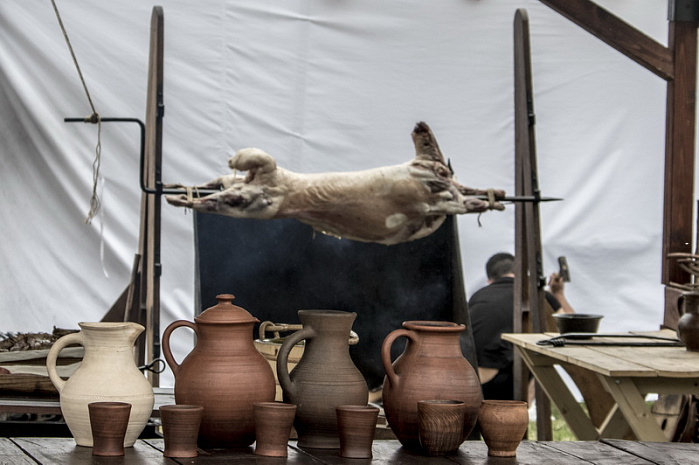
{"x": 134, "y": 330}
{"x": 110, "y": 333}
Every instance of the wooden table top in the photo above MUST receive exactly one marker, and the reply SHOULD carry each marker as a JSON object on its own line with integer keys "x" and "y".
{"x": 616, "y": 361}
{"x": 32, "y": 451}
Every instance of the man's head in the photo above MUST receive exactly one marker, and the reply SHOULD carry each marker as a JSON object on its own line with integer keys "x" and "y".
{"x": 500, "y": 265}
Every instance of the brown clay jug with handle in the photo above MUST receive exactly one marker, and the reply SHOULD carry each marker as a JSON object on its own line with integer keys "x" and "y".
{"x": 323, "y": 379}
{"x": 431, "y": 367}
{"x": 223, "y": 373}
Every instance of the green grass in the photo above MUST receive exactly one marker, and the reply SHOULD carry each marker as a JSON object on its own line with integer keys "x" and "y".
{"x": 560, "y": 429}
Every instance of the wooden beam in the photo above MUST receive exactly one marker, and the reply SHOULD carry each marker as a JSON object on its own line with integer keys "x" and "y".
{"x": 680, "y": 127}
{"x": 677, "y": 64}
{"x": 617, "y": 34}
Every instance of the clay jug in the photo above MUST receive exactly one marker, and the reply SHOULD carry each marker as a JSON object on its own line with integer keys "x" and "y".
{"x": 223, "y": 373}
{"x": 431, "y": 367}
{"x": 108, "y": 372}
{"x": 688, "y": 324}
{"x": 323, "y": 379}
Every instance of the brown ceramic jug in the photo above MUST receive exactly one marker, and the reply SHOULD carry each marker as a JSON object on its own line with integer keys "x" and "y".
{"x": 431, "y": 367}
{"x": 324, "y": 378}
{"x": 688, "y": 324}
{"x": 224, "y": 373}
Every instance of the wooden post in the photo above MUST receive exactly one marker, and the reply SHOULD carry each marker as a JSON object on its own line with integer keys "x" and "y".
{"x": 149, "y": 243}
{"x": 529, "y": 301}
{"x": 680, "y": 124}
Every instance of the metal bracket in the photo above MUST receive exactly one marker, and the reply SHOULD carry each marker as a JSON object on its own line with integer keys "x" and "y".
{"x": 158, "y": 189}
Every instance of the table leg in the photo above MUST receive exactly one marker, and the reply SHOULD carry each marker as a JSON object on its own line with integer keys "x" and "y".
{"x": 615, "y": 425}
{"x": 544, "y": 371}
{"x": 632, "y": 405}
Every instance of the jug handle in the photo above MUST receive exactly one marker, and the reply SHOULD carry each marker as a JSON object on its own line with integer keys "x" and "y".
{"x": 167, "y": 353}
{"x": 52, "y": 356}
{"x": 283, "y": 356}
{"x": 386, "y": 352}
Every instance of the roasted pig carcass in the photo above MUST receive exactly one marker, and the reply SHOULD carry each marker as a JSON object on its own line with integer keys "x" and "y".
{"x": 387, "y": 205}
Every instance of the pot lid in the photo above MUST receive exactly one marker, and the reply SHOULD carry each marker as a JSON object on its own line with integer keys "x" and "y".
{"x": 225, "y": 312}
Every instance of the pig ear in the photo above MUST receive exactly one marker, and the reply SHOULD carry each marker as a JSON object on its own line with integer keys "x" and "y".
{"x": 426, "y": 146}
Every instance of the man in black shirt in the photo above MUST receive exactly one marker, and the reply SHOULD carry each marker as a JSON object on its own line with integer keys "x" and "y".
{"x": 492, "y": 313}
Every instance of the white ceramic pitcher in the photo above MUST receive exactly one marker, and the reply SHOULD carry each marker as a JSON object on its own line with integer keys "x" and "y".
{"x": 108, "y": 372}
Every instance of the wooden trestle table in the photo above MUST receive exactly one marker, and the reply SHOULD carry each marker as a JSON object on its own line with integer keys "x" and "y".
{"x": 628, "y": 373}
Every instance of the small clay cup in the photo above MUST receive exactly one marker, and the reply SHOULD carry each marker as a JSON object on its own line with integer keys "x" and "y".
{"x": 180, "y": 429}
{"x": 503, "y": 425}
{"x": 356, "y": 426}
{"x": 441, "y": 426}
{"x": 108, "y": 423}
{"x": 273, "y": 422}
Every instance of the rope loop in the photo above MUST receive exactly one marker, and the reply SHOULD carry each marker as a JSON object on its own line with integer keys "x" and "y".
{"x": 94, "y": 119}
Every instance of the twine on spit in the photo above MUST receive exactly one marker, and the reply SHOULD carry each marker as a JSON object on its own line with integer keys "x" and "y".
{"x": 94, "y": 119}
{"x": 190, "y": 193}
{"x": 491, "y": 198}
{"x": 491, "y": 203}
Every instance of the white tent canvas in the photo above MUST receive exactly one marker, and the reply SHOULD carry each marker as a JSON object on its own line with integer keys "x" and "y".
{"x": 322, "y": 86}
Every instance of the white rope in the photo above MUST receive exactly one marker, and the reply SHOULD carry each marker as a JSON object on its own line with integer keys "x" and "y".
{"x": 94, "y": 119}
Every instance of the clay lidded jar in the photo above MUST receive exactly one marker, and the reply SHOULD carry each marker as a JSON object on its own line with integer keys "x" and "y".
{"x": 432, "y": 366}
{"x": 323, "y": 379}
{"x": 223, "y": 373}
{"x": 108, "y": 372}
{"x": 688, "y": 324}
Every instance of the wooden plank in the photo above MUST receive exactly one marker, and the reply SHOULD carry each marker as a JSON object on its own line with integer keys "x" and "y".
{"x": 678, "y": 386}
{"x": 598, "y": 453}
{"x": 632, "y": 404}
{"x": 64, "y": 450}
{"x": 556, "y": 390}
{"x": 536, "y": 453}
{"x": 38, "y": 406}
{"x": 23, "y": 451}
{"x": 615, "y": 425}
{"x": 598, "y": 401}
{"x": 40, "y": 355}
{"x": 616, "y": 33}
{"x": 476, "y": 452}
{"x": 10, "y": 453}
{"x": 674, "y": 362}
{"x": 385, "y": 452}
{"x": 659, "y": 453}
{"x": 15, "y": 404}
{"x": 614, "y": 361}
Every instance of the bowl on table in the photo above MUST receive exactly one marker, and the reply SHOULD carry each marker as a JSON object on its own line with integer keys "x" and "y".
{"x": 577, "y": 322}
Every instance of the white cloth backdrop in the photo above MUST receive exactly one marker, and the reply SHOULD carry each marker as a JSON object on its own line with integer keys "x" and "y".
{"x": 322, "y": 85}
